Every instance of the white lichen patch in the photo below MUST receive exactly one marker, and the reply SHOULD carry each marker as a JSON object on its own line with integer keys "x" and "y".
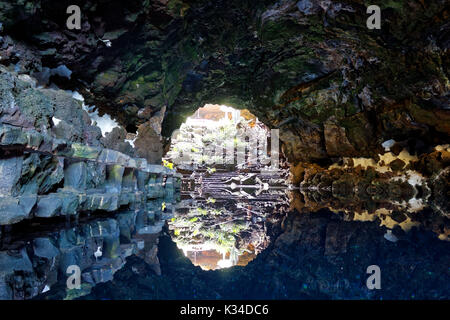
{"x": 390, "y": 236}
{"x": 415, "y": 178}
{"x": 415, "y": 205}
{"x": 387, "y": 145}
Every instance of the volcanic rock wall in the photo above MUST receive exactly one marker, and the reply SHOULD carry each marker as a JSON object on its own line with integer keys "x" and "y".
{"x": 53, "y": 164}
{"x": 57, "y": 168}
{"x": 311, "y": 68}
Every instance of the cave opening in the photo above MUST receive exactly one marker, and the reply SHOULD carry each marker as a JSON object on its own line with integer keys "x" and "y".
{"x": 230, "y": 187}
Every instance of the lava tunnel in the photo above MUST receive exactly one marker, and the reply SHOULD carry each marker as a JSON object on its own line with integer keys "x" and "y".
{"x": 226, "y": 149}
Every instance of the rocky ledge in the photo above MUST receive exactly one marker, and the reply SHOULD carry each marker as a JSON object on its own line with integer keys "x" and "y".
{"x": 46, "y": 174}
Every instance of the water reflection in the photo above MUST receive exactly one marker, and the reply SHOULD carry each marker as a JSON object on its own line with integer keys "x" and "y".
{"x": 315, "y": 255}
{"x": 397, "y": 201}
{"x": 228, "y": 214}
{"x": 225, "y": 210}
{"x": 222, "y": 218}
{"x": 34, "y": 257}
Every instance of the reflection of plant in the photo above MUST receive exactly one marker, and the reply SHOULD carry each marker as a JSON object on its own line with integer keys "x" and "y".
{"x": 234, "y": 227}
{"x": 220, "y": 238}
{"x": 200, "y": 225}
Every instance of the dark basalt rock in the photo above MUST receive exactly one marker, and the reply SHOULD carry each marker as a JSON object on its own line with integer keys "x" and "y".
{"x": 397, "y": 165}
{"x": 33, "y": 261}
{"x": 148, "y": 143}
{"x": 115, "y": 140}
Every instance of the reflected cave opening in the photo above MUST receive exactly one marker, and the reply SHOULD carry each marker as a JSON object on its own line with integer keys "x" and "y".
{"x": 233, "y": 183}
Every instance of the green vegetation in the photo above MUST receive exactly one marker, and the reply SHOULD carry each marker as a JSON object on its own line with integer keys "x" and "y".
{"x": 208, "y": 226}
